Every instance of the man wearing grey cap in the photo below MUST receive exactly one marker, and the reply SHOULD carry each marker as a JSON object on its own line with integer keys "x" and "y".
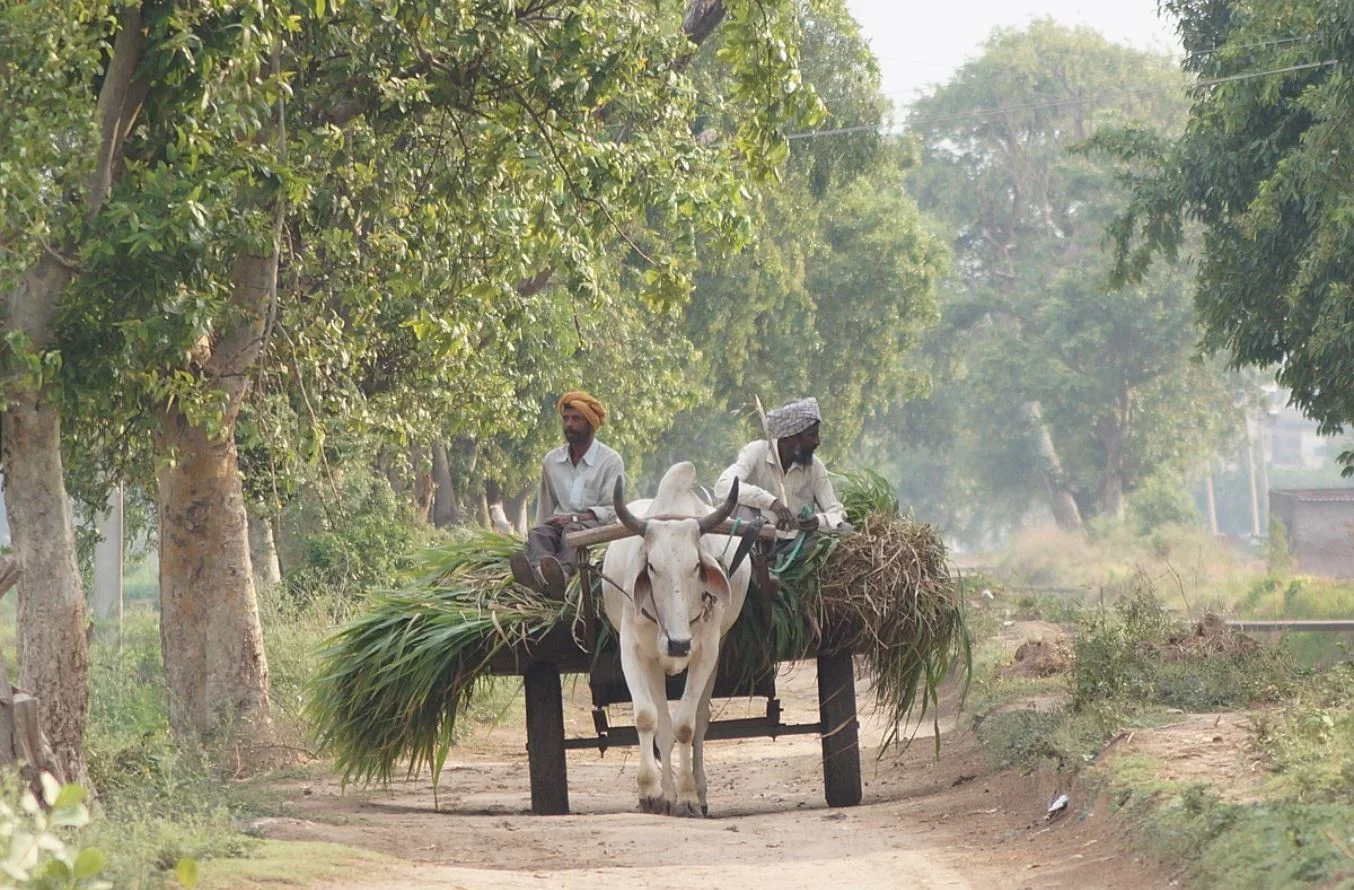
{"x": 781, "y": 477}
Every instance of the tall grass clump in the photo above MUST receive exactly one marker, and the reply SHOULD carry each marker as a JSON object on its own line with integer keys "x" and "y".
{"x": 159, "y": 801}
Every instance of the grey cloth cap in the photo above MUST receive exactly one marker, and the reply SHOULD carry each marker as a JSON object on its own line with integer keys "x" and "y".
{"x": 792, "y": 418}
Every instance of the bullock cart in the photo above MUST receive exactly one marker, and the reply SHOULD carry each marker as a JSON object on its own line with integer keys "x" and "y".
{"x": 569, "y": 647}
{"x": 395, "y": 681}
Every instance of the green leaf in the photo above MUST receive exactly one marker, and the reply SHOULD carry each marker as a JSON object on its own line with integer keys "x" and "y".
{"x": 186, "y": 872}
{"x": 88, "y": 864}
{"x": 69, "y": 796}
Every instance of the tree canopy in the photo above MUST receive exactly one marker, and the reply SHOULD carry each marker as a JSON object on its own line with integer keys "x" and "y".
{"x": 1262, "y": 170}
{"x": 1051, "y": 385}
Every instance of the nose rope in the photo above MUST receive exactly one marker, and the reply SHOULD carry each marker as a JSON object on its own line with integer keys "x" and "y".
{"x": 707, "y": 605}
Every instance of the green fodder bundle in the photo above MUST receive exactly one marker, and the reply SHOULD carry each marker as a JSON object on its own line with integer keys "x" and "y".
{"x": 884, "y": 592}
{"x": 394, "y": 680}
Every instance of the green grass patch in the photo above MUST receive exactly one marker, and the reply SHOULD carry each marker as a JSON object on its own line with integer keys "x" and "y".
{"x": 290, "y": 864}
{"x": 141, "y": 580}
{"x": 1133, "y": 661}
{"x": 161, "y": 801}
{"x": 1221, "y": 844}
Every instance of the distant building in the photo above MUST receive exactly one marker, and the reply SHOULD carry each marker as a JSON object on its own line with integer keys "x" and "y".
{"x": 1293, "y": 439}
{"x": 1319, "y": 523}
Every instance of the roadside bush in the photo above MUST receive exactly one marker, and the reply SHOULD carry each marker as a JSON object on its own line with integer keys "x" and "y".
{"x": 1139, "y": 652}
{"x": 35, "y": 843}
{"x": 160, "y": 802}
{"x": 349, "y": 536}
{"x": 1160, "y": 501}
{"x": 1028, "y": 738}
{"x": 1309, "y": 746}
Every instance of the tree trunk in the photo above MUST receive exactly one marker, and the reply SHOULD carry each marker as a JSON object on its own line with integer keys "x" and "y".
{"x": 1210, "y": 502}
{"x": 445, "y": 511}
{"x": 52, "y": 639}
{"x": 1262, "y": 466}
{"x": 1112, "y": 430}
{"x": 1061, "y": 502}
{"x": 107, "y": 593}
{"x": 215, "y": 667}
{"x": 515, "y": 508}
{"x": 52, "y": 642}
{"x": 263, "y": 551}
{"x": 423, "y": 481}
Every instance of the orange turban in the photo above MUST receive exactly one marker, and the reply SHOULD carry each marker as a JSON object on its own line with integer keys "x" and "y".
{"x": 584, "y": 404}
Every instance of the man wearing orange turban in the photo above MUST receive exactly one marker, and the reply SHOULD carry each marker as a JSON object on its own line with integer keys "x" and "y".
{"x": 577, "y": 480}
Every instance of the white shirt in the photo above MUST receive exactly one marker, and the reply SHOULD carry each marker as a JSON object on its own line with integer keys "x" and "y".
{"x": 568, "y": 488}
{"x": 758, "y": 472}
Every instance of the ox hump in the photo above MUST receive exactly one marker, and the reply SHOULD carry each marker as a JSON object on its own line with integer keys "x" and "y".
{"x": 676, "y": 491}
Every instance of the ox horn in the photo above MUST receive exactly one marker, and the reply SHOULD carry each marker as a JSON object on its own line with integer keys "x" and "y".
{"x": 710, "y": 520}
{"x": 628, "y": 519}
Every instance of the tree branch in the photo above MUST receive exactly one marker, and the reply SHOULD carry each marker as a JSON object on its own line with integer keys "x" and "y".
{"x": 701, "y": 19}
{"x": 118, "y": 104}
{"x": 529, "y": 287}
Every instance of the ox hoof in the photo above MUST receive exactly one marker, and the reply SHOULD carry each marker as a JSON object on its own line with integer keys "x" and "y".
{"x": 705, "y": 809}
{"x": 688, "y": 810}
{"x": 655, "y": 805}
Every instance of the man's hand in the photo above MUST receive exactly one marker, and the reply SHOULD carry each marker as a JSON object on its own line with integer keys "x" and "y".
{"x": 785, "y": 518}
{"x": 808, "y": 524}
{"x": 560, "y": 520}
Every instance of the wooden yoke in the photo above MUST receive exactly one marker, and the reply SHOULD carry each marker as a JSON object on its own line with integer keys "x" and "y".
{"x": 614, "y": 532}
{"x": 585, "y": 538}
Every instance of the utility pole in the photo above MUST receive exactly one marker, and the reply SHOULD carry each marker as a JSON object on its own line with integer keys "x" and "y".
{"x": 1250, "y": 472}
{"x": 108, "y": 561}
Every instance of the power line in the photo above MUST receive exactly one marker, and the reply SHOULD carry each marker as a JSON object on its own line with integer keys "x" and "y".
{"x": 1276, "y": 42}
{"x": 985, "y": 114}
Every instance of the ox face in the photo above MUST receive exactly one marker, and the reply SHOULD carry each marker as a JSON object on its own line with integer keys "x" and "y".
{"x": 679, "y": 588}
{"x": 679, "y": 584}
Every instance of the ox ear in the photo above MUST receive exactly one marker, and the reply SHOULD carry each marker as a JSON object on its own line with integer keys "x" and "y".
{"x": 713, "y": 578}
{"x": 643, "y": 593}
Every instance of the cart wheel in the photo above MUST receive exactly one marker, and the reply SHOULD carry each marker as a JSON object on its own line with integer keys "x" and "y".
{"x": 545, "y": 740}
{"x": 841, "y": 729}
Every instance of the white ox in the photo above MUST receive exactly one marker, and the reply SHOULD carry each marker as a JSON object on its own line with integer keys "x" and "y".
{"x": 670, "y": 595}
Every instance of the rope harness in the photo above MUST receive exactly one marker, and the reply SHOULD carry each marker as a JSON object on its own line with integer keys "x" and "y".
{"x": 707, "y": 605}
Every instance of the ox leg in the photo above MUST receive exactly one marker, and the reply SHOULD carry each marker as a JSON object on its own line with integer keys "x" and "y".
{"x": 698, "y": 744}
{"x": 699, "y": 674}
{"x": 638, "y": 676}
{"x": 664, "y": 736}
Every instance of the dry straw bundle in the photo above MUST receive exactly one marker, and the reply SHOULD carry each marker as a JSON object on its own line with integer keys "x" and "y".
{"x": 395, "y": 680}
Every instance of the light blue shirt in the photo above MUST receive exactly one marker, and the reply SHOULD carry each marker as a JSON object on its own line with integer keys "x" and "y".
{"x": 568, "y": 488}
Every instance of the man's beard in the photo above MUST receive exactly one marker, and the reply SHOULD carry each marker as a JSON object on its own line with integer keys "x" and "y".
{"x": 801, "y": 456}
{"x": 575, "y": 437}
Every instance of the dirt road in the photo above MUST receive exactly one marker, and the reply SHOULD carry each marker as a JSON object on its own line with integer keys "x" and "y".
{"x": 924, "y": 823}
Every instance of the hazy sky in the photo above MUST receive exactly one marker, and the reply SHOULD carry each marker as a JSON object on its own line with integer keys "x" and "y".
{"x": 921, "y": 44}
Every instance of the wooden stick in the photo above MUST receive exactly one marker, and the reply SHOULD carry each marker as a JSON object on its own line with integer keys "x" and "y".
{"x": 771, "y": 444}
{"x": 616, "y": 531}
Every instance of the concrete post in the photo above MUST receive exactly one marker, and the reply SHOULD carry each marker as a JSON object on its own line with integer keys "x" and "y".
{"x": 108, "y": 560}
